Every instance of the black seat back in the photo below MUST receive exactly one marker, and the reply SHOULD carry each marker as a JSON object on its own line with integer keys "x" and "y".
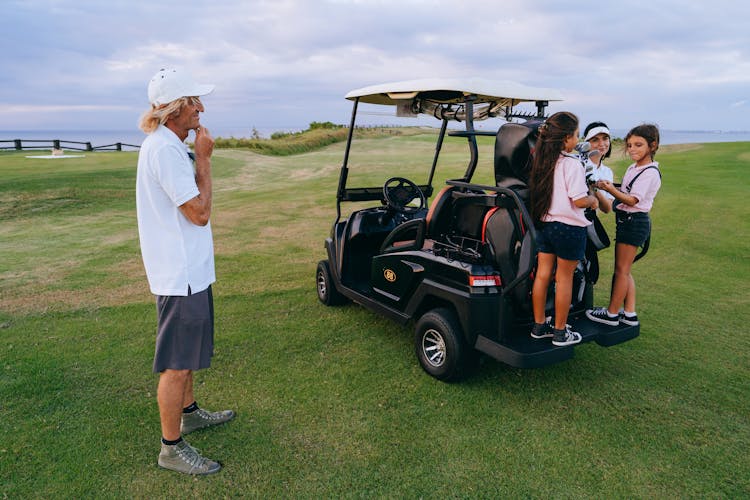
{"x": 514, "y": 147}
{"x": 438, "y": 217}
{"x": 469, "y": 213}
{"x": 509, "y": 240}
{"x": 454, "y": 224}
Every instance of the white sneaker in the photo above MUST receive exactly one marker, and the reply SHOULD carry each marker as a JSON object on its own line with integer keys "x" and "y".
{"x": 566, "y": 337}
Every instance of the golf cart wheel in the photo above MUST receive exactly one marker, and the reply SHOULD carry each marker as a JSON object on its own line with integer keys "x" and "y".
{"x": 440, "y": 346}
{"x": 327, "y": 292}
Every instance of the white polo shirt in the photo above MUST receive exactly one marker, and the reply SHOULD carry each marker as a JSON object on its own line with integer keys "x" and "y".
{"x": 604, "y": 173}
{"x": 176, "y": 253}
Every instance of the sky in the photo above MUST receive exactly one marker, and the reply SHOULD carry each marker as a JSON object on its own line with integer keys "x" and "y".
{"x": 281, "y": 64}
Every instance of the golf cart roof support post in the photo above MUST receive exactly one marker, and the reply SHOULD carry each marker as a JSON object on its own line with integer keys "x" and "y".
{"x": 540, "y": 105}
{"x": 473, "y": 149}
{"x": 345, "y": 167}
{"x": 438, "y": 147}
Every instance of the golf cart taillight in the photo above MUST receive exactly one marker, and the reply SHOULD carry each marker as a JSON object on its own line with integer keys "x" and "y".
{"x": 491, "y": 280}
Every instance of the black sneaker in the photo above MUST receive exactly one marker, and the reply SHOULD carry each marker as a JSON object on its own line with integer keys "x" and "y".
{"x": 601, "y": 315}
{"x": 565, "y": 337}
{"x": 541, "y": 330}
{"x": 629, "y": 320}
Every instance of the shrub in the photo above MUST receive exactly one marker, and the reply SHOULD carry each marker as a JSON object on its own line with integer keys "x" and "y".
{"x": 316, "y": 136}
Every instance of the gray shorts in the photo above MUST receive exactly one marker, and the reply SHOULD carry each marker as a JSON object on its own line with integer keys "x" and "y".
{"x": 185, "y": 335}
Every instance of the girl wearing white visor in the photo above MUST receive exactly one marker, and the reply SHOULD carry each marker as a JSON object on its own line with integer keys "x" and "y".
{"x": 597, "y": 134}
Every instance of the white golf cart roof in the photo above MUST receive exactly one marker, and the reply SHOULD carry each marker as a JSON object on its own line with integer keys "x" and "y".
{"x": 454, "y": 90}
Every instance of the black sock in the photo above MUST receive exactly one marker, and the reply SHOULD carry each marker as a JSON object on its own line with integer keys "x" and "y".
{"x": 171, "y": 443}
{"x": 191, "y": 408}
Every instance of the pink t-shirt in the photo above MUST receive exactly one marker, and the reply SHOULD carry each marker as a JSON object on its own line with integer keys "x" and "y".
{"x": 569, "y": 185}
{"x": 644, "y": 188}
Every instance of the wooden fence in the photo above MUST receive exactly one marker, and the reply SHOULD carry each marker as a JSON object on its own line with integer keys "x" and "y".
{"x": 26, "y": 144}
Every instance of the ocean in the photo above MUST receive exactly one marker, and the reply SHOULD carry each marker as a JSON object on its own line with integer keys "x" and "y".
{"x": 135, "y": 137}
{"x": 695, "y": 136}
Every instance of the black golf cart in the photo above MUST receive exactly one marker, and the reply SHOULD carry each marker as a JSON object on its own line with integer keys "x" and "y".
{"x": 461, "y": 269}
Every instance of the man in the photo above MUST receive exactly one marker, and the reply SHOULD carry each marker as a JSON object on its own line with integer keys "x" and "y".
{"x": 173, "y": 200}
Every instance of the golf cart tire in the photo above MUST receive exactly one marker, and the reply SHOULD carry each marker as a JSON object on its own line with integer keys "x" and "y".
{"x": 440, "y": 346}
{"x": 327, "y": 292}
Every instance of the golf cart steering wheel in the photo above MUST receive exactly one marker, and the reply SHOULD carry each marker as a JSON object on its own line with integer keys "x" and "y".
{"x": 399, "y": 192}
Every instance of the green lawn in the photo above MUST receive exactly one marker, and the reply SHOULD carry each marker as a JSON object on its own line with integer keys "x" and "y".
{"x": 331, "y": 402}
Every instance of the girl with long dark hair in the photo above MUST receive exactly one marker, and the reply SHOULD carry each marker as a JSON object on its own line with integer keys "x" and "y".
{"x": 559, "y": 195}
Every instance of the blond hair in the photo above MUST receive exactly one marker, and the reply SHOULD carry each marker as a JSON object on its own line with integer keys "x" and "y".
{"x": 159, "y": 115}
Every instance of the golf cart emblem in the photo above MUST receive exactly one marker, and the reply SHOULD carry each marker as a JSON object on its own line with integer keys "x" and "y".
{"x": 389, "y": 275}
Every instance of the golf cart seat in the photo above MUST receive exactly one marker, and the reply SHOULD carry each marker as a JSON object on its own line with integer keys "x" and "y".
{"x": 454, "y": 215}
{"x": 469, "y": 213}
{"x": 514, "y": 145}
{"x": 418, "y": 233}
{"x": 487, "y": 226}
{"x": 508, "y": 238}
{"x": 457, "y": 214}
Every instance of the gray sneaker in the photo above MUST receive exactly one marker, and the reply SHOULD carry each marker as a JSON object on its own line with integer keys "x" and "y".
{"x": 201, "y": 418}
{"x": 182, "y": 457}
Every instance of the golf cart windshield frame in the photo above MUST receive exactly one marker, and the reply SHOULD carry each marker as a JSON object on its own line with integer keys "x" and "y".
{"x": 465, "y": 111}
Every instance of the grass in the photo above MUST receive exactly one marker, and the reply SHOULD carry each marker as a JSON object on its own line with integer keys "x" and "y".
{"x": 331, "y": 401}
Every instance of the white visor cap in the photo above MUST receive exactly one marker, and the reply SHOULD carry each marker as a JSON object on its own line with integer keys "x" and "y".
{"x": 596, "y": 131}
{"x": 170, "y": 84}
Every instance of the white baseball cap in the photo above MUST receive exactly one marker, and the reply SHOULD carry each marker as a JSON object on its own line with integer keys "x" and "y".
{"x": 170, "y": 84}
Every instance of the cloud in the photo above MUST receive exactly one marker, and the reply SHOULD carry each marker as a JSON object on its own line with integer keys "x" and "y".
{"x": 31, "y": 108}
{"x": 293, "y": 60}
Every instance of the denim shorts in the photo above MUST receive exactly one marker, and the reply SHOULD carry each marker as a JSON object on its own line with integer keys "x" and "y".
{"x": 566, "y": 241}
{"x": 632, "y": 228}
